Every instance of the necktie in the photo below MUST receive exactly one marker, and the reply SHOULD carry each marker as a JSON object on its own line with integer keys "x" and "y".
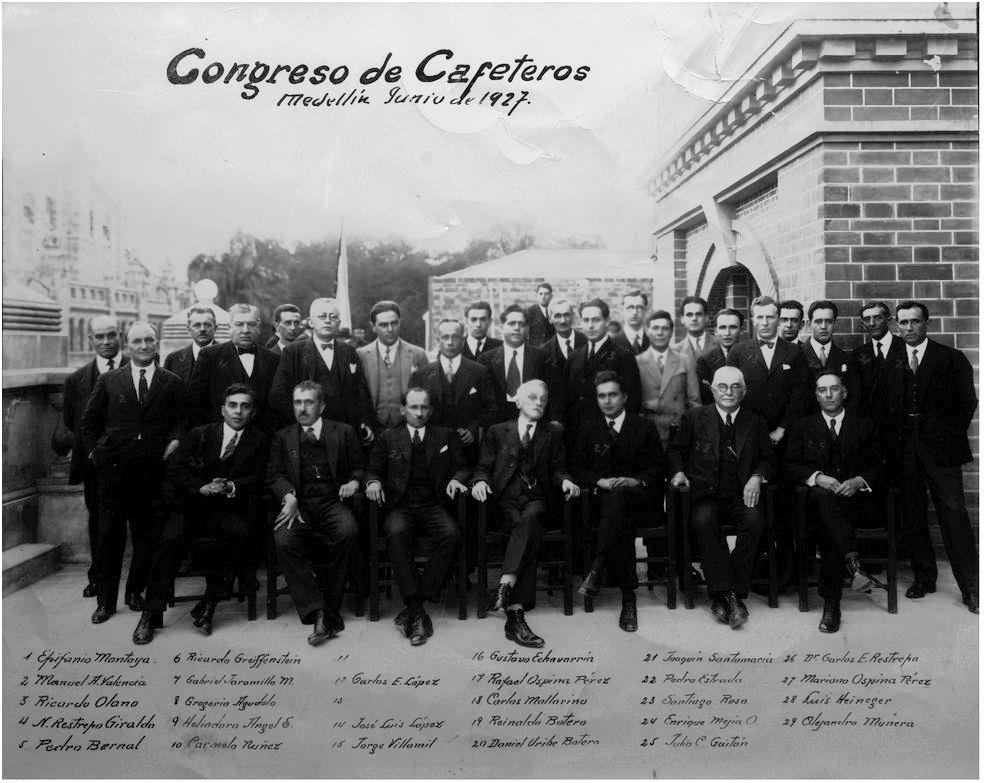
{"x": 568, "y": 344}
{"x": 449, "y": 372}
{"x": 879, "y": 354}
{"x": 765, "y": 344}
{"x": 833, "y": 429}
{"x": 230, "y": 447}
{"x": 638, "y": 344}
{"x": 478, "y": 347}
{"x": 416, "y": 439}
{"x": 914, "y": 362}
{"x": 611, "y": 428}
{"x": 388, "y": 358}
{"x": 111, "y": 363}
{"x": 591, "y": 349}
{"x": 698, "y": 344}
{"x": 659, "y": 360}
{"x": 512, "y": 376}
{"x": 309, "y": 435}
{"x": 729, "y": 432}
{"x": 823, "y": 355}
{"x": 527, "y": 436}
{"x": 142, "y": 387}
{"x": 328, "y": 346}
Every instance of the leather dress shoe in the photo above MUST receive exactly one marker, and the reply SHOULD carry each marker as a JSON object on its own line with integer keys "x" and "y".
{"x": 920, "y": 589}
{"x": 518, "y": 631}
{"x": 321, "y": 632}
{"x": 737, "y": 611}
{"x": 417, "y": 632}
{"x": 102, "y": 614}
{"x": 719, "y": 608}
{"x": 135, "y": 602}
{"x": 830, "y": 621}
{"x": 402, "y": 621}
{"x": 335, "y": 621}
{"x": 144, "y": 632}
{"x": 89, "y": 591}
{"x": 628, "y": 618}
{"x": 861, "y": 582}
{"x": 198, "y": 610}
{"x": 970, "y": 600}
{"x": 503, "y": 597}
{"x": 205, "y": 618}
{"x": 590, "y": 584}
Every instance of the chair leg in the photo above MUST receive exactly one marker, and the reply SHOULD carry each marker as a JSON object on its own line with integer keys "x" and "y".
{"x": 568, "y": 560}
{"x": 481, "y": 553}
{"x": 773, "y": 567}
{"x": 893, "y": 559}
{"x": 271, "y": 582}
{"x": 686, "y": 567}
{"x": 463, "y": 559}
{"x": 802, "y": 560}
{"x": 373, "y": 564}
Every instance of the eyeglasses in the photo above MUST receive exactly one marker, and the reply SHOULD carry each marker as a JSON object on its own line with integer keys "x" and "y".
{"x": 724, "y": 388}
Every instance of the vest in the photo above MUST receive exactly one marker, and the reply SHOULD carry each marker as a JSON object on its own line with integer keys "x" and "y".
{"x": 419, "y": 489}
{"x": 390, "y": 391}
{"x": 728, "y": 482}
{"x": 316, "y": 478}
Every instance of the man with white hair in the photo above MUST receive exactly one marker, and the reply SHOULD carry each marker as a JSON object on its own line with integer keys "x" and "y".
{"x": 241, "y": 360}
{"x": 724, "y": 454}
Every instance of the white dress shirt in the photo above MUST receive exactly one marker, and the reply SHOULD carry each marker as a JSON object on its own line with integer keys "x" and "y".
{"x": 631, "y": 334}
{"x": 450, "y": 366}
{"x": 473, "y": 345}
{"x": 507, "y": 354}
{"x": 329, "y": 355}
{"x": 617, "y": 422}
{"x": 767, "y": 352}
{"x": 918, "y": 350}
{"x": 522, "y": 423}
{"x": 886, "y": 345}
{"x": 247, "y": 360}
{"x": 562, "y": 343}
{"x": 316, "y": 427}
{"x": 102, "y": 365}
{"x": 817, "y": 347}
{"x": 135, "y": 374}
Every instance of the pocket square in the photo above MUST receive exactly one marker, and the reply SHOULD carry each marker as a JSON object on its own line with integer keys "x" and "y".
{"x": 352, "y": 366}
{"x": 443, "y": 449}
{"x": 843, "y": 368}
{"x": 473, "y": 390}
{"x": 786, "y": 367}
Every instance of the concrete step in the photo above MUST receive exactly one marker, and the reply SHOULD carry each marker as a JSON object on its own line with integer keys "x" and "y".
{"x": 27, "y": 563}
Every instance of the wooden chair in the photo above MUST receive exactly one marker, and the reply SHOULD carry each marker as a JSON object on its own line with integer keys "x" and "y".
{"x": 189, "y": 570}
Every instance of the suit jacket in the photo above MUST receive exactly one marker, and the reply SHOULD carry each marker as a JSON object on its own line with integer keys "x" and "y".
{"x": 78, "y": 387}
{"x": 117, "y": 429}
{"x": 218, "y": 367}
{"x": 541, "y": 329}
{"x": 472, "y": 404}
{"x": 181, "y": 363}
{"x": 683, "y": 346}
{"x": 301, "y": 361}
{"x": 343, "y": 449}
{"x": 695, "y": 449}
{"x": 534, "y": 368}
{"x": 389, "y": 461}
{"x": 411, "y": 357}
{"x": 882, "y": 393}
{"x": 838, "y": 360}
{"x": 581, "y": 403}
{"x": 196, "y": 462}
{"x": 489, "y": 344}
{"x": 556, "y": 369}
{"x": 622, "y": 340}
{"x": 708, "y": 363}
{"x": 810, "y": 444}
{"x": 668, "y": 394}
{"x": 776, "y": 393}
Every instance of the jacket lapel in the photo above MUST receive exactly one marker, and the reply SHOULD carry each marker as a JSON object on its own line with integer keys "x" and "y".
{"x": 310, "y": 358}
{"x": 498, "y": 368}
{"x": 431, "y": 445}
{"x": 669, "y": 370}
{"x": 294, "y": 454}
{"x": 406, "y": 363}
{"x": 331, "y": 451}
{"x": 650, "y": 370}
{"x": 926, "y": 366}
{"x": 372, "y": 368}
{"x": 742, "y": 425}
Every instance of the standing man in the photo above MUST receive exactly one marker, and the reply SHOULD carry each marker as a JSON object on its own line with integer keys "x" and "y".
{"x": 693, "y": 316}
{"x": 727, "y": 329}
{"x": 131, "y": 425}
{"x": 241, "y": 360}
{"x": 940, "y": 401}
{"x": 478, "y": 319}
{"x": 633, "y": 336}
{"x": 460, "y": 390}
{"x": 790, "y": 320}
{"x": 201, "y": 327}
{"x": 314, "y": 465}
{"x": 835, "y": 453}
{"x": 214, "y": 478}
{"x": 618, "y": 455}
{"x": 822, "y": 354}
{"x": 333, "y": 364}
{"x": 882, "y": 365}
{"x": 104, "y": 338}
{"x": 723, "y": 453}
{"x": 387, "y": 362}
{"x": 599, "y": 354}
{"x": 668, "y": 379}
{"x": 538, "y": 316}
{"x": 558, "y": 350}
{"x": 521, "y": 461}
{"x": 513, "y": 363}
{"x": 287, "y": 327}
{"x": 412, "y": 469}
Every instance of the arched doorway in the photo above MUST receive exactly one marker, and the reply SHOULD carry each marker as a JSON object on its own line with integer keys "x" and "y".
{"x": 734, "y": 286}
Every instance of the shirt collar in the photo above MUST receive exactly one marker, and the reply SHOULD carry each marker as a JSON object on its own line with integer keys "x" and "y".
{"x": 839, "y": 418}
{"x": 382, "y": 349}
{"x": 693, "y": 340}
{"x": 886, "y": 342}
{"x": 507, "y": 352}
{"x": 135, "y": 371}
{"x": 618, "y": 420}
{"x": 723, "y": 414}
{"x": 228, "y": 432}
{"x": 523, "y": 421}
{"x": 423, "y": 431}
{"x": 631, "y": 333}
{"x": 653, "y": 350}
{"x": 817, "y": 346}
{"x": 454, "y": 363}
{"x": 317, "y": 426}
{"x": 921, "y": 348}
{"x": 103, "y": 364}
{"x": 601, "y": 342}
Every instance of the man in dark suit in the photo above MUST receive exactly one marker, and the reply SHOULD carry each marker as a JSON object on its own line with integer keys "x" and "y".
{"x": 727, "y": 330}
{"x": 213, "y": 479}
{"x": 314, "y": 465}
{"x": 241, "y": 360}
{"x": 411, "y": 470}
{"x": 201, "y": 327}
{"x": 724, "y": 454}
{"x": 693, "y": 316}
{"x": 513, "y": 363}
{"x": 940, "y": 401}
{"x": 836, "y": 454}
{"x": 460, "y": 390}
{"x": 287, "y": 327}
{"x": 478, "y": 319}
{"x": 333, "y": 364}
{"x": 822, "y": 354}
{"x": 558, "y": 350}
{"x": 521, "y": 461}
{"x": 597, "y": 355}
{"x": 131, "y": 425}
{"x": 538, "y": 315}
{"x": 633, "y": 337}
{"x": 790, "y": 320}
{"x": 104, "y": 337}
{"x": 618, "y": 455}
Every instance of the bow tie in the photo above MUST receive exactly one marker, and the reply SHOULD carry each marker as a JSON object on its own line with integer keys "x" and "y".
{"x": 765, "y": 344}
{"x": 328, "y": 346}
{"x": 246, "y": 350}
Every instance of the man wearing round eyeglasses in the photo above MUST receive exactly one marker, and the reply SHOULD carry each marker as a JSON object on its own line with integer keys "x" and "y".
{"x": 724, "y": 454}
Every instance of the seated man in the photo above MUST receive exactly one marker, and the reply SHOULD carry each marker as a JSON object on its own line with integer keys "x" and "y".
{"x": 314, "y": 465}
{"x": 723, "y": 453}
{"x": 835, "y": 453}
{"x": 212, "y": 480}
{"x": 522, "y": 461}
{"x": 619, "y": 455}
{"x": 411, "y": 469}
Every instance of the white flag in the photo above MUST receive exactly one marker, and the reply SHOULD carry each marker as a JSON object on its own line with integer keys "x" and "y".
{"x": 342, "y": 289}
